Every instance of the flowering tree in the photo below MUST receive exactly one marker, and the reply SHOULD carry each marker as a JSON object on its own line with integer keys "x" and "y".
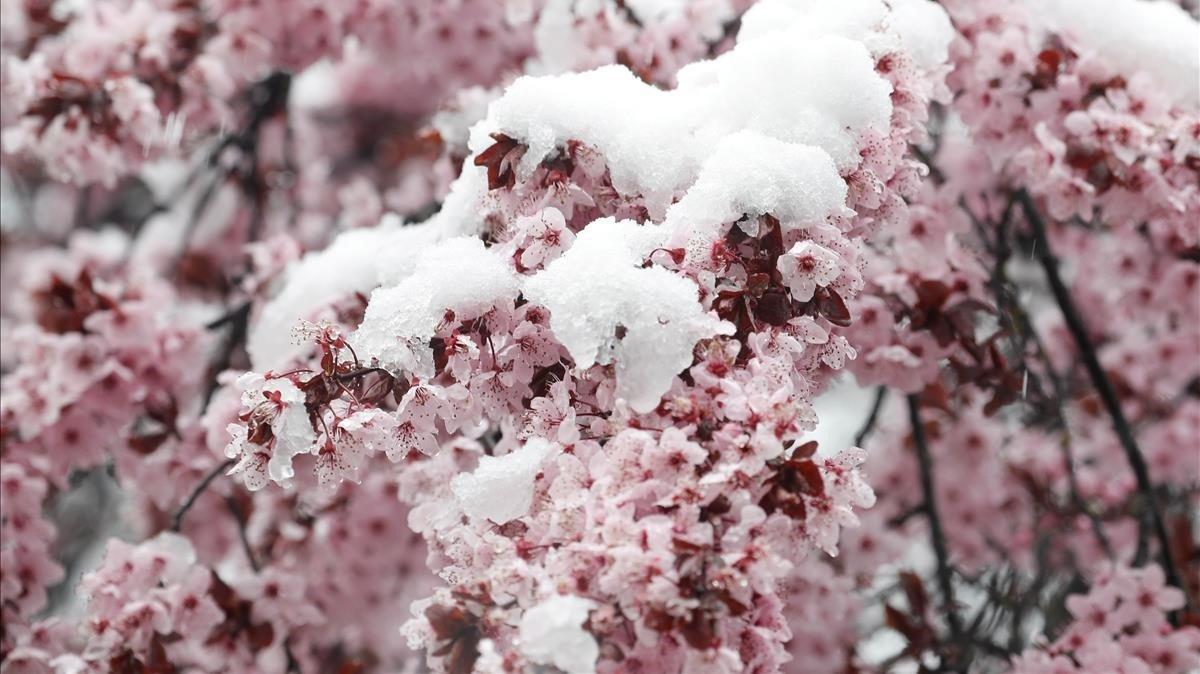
{"x": 470, "y": 336}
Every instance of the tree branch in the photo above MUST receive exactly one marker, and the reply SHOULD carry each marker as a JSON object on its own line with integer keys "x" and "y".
{"x": 1104, "y": 387}
{"x": 239, "y": 517}
{"x": 1016, "y": 320}
{"x": 944, "y": 572}
{"x": 177, "y": 519}
{"x": 869, "y": 425}
{"x": 239, "y": 320}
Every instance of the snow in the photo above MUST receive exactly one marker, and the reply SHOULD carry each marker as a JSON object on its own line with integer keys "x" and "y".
{"x": 458, "y": 275}
{"x": 356, "y": 261}
{"x": 557, "y": 45}
{"x": 1134, "y": 36}
{"x": 919, "y": 27}
{"x": 500, "y": 489}
{"x": 833, "y": 92}
{"x": 924, "y": 30}
{"x": 807, "y": 19}
{"x": 598, "y": 289}
{"x": 656, "y": 10}
{"x": 607, "y": 108}
{"x": 655, "y": 142}
{"x": 461, "y": 214}
{"x": 799, "y": 185}
{"x": 454, "y": 122}
{"x": 552, "y": 633}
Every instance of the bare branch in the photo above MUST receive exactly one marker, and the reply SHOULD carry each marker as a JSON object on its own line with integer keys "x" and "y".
{"x": 873, "y": 417}
{"x": 944, "y": 572}
{"x": 1100, "y": 380}
{"x": 177, "y": 519}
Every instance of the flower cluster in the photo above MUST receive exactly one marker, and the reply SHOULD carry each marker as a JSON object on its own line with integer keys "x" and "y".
{"x": 26, "y": 560}
{"x": 1119, "y": 626}
{"x": 105, "y": 369}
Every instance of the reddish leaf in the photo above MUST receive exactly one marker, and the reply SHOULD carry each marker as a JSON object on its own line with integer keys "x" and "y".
{"x": 700, "y": 632}
{"x": 805, "y": 451}
{"x": 500, "y": 160}
{"x": 774, "y": 308}
{"x": 447, "y": 621}
{"x": 931, "y": 295}
{"x": 913, "y": 632}
{"x": 914, "y": 590}
{"x": 352, "y": 667}
{"x": 811, "y": 474}
{"x": 831, "y": 305}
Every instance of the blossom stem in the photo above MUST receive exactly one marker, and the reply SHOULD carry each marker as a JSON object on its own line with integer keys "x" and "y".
{"x": 1100, "y": 380}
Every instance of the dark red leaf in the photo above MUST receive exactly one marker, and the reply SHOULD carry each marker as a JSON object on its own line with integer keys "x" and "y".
{"x": 701, "y": 632}
{"x": 774, "y": 308}
{"x": 833, "y": 307}
{"x": 805, "y": 451}
{"x": 931, "y": 295}
{"x": 500, "y": 160}
{"x": 811, "y": 474}
{"x": 914, "y": 590}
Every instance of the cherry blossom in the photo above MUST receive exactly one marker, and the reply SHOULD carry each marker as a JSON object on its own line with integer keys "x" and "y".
{"x": 599, "y": 336}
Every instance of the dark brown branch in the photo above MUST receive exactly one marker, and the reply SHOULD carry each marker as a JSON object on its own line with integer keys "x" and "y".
{"x": 177, "y": 519}
{"x": 1100, "y": 380}
{"x": 1016, "y": 321}
{"x": 293, "y": 665}
{"x": 239, "y": 321}
{"x": 358, "y": 372}
{"x": 239, "y": 517}
{"x": 230, "y": 316}
{"x": 945, "y": 575}
{"x": 873, "y": 417}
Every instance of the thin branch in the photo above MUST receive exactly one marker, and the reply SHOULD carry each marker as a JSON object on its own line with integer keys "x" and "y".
{"x": 1104, "y": 387}
{"x": 944, "y": 572}
{"x": 240, "y": 518}
{"x": 240, "y": 325}
{"x": 903, "y": 518}
{"x": 1016, "y": 320}
{"x": 293, "y": 665}
{"x": 177, "y": 519}
{"x": 873, "y": 417}
{"x": 228, "y": 317}
{"x": 1077, "y": 498}
{"x": 358, "y": 372}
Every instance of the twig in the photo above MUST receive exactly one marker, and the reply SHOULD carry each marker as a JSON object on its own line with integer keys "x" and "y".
{"x": 1077, "y": 498}
{"x": 1016, "y": 321}
{"x": 869, "y": 425}
{"x": 293, "y": 665}
{"x": 240, "y": 322}
{"x": 228, "y": 316}
{"x": 944, "y": 572}
{"x": 238, "y": 516}
{"x": 177, "y": 519}
{"x": 1104, "y": 387}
